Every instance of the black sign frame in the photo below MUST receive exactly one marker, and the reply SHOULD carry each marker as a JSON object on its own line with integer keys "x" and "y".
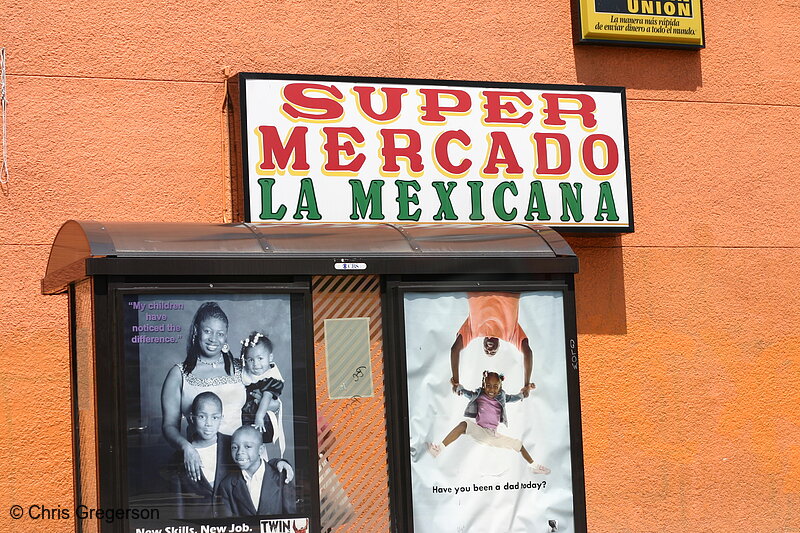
{"x": 236, "y": 101}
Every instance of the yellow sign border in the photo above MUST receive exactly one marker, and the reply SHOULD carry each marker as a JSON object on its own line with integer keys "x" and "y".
{"x": 646, "y": 23}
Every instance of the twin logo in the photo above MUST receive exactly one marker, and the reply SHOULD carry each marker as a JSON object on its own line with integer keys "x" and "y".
{"x": 285, "y": 525}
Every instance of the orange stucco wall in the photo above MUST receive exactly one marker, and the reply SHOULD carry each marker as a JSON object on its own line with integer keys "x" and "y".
{"x": 690, "y": 350}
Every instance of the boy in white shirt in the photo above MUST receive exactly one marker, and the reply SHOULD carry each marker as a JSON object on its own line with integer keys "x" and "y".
{"x": 262, "y": 488}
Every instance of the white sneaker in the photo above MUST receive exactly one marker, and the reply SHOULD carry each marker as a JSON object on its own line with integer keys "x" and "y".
{"x": 434, "y": 448}
{"x": 536, "y": 468}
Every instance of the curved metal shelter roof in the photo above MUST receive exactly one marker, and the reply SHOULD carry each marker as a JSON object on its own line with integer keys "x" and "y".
{"x": 86, "y": 248}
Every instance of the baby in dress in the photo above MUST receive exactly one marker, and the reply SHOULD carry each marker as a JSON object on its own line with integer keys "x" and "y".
{"x": 263, "y": 382}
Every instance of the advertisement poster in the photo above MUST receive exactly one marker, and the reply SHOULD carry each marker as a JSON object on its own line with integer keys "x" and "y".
{"x": 214, "y": 401}
{"x": 664, "y": 23}
{"x": 342, "y": 150}
{"x": 485, "y": 458}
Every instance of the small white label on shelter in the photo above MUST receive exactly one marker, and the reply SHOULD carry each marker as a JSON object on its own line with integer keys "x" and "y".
{"x": 350, "y": 266}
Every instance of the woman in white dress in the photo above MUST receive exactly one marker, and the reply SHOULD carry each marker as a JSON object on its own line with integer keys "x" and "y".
{"x": 208, "y": 366}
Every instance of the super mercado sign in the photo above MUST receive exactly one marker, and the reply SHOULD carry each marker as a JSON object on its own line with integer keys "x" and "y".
{"x": 330, "y": 149}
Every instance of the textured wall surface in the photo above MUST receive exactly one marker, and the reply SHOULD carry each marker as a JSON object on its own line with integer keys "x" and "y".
{"x": 690, "y": 349}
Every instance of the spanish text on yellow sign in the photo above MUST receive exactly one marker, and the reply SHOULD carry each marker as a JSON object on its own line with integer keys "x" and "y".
{"x": 651, "y": 22}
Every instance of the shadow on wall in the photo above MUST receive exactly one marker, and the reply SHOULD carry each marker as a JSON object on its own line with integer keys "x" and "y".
{"x": 639, "y": 68}
{"x": 600, "y": 285}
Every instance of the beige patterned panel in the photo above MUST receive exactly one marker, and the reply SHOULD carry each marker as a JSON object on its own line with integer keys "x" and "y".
{"x": 353, "y": 470}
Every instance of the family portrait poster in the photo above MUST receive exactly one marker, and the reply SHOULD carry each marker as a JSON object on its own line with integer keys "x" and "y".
{"x": 467, "y": 486}
{"x": 156, "y": 331}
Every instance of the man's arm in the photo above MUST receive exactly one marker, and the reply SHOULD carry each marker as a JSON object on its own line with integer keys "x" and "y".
{"x": 527, "y": 363}
{"x": 282, "y": 465}
{"x": 455, "y": 358}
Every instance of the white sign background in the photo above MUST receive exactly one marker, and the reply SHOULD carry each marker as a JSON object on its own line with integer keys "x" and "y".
{"x": 333, "y": 192}
{"x": 541, "y": 421}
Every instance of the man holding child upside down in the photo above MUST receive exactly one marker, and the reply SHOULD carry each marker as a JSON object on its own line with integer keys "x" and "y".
{"x": 494, "y": 316}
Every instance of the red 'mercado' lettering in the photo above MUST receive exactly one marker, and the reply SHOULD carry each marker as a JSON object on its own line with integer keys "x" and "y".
{"x": 499, "y": 144}
{"x": 334, "y": 145}
{"x": 587, "y": 153}
{"x": 443, "y": 158}
{"x": 563, "y": 150}
{"x": 391, "y": 152}
{"x": 277, "y": 155}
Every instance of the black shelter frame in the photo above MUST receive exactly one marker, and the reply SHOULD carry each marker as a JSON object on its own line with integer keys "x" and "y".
{"x": 120, "y": 258}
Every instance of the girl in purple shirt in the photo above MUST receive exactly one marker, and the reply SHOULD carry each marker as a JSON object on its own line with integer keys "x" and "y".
{"x": 487, "y": 405}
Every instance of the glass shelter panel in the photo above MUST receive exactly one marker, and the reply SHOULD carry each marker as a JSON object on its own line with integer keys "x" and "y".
{"x": 488, "y": 411}
{"x": 353, "y": 466}
{"x": 216, "y": 398}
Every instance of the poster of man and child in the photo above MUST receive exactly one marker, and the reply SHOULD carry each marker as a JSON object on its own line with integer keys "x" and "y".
{"x": 212, "y": 436}
{"x": 488, "y": 412}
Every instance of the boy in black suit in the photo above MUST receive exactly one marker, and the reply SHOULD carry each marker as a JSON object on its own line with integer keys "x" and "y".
{"x": 261, "y": 487}
{"x": 199, "y": 498}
